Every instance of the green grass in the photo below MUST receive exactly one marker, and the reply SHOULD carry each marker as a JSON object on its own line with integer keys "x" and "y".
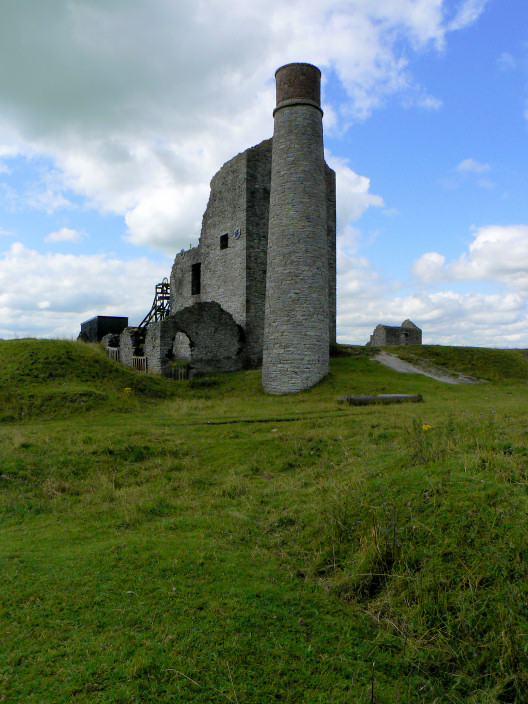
{"x": 203, "y": 542}
{"x": 480, "y": 362}
{"x": 56, "y": 378}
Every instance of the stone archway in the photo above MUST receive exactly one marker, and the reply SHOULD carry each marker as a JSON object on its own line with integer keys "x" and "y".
{"x": 181, "y": 348}
{"x": 216, "y": 341}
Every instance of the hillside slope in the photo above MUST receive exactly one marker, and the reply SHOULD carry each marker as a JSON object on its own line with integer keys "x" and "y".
{"x": 216, "y": 544}
{"x": 478, "y": 362}
{"x": 57, "y": 378}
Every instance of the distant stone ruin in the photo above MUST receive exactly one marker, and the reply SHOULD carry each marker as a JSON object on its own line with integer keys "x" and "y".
{"x": 386, "y": 335}
{"x": 260, "y": 286}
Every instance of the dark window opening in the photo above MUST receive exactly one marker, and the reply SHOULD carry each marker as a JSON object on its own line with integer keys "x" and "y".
{"x": 196, "y": 276}
{"x": 224, "y": 241}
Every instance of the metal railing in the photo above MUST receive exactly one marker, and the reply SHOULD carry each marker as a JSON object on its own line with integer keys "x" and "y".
{"x": 139, "y": 363}
{"x": 180, "y": 373}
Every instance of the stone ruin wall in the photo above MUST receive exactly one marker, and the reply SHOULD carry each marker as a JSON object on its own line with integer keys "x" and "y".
{"x": 296, "y": 335}
{"x": 211, "y": 339}
{"x": 131, "y": 344}
{"x": 387, "y": 335}
{"x": 258, "y": 177}
{"x": 223, "y": 271}
{"x": 236, "y": 277}
{"x": 330, "y": 179}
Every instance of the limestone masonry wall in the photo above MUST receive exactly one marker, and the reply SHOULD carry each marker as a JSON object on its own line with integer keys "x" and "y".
{"x": 203, "y": 334}
{"x": 130, "y": 345}
{"x": 331, "y": 230}
{"x": 296, "y": 331}
{"x": 405, "y": 334}
{"x": 235, "y": 277}
{"x": 258, "y": 181}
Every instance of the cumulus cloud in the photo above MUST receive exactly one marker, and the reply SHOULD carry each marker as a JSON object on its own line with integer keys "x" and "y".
{"x": 363, "y": 295}
{"x": 465, "y": 319}
{"x": 65, "y": 234}
{"x": 466, "y": 13}
{"x": 429, "y": 267}
{"x": 446, "y": 317}
{"x": 469, "y": 169}
{"x": 472, "y": 166}
{"x": 497, "y": 253}
{"x": 137, "y": 105}
{"x": 353, "y": 197}
{"x": 497, "y": 256}
{"x": 51, "y": 294}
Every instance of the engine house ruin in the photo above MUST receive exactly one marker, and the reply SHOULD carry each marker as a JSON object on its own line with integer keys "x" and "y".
{"x": 260, "y": 286}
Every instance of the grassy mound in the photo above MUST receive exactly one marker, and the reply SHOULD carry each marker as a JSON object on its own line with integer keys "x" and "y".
{"x": 58, "y": 378}
{"x": 224, "y": 545}
{"x": 478, "y": 362}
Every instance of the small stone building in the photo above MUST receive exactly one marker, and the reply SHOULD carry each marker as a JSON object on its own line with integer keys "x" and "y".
{"x": 406, "y": 334}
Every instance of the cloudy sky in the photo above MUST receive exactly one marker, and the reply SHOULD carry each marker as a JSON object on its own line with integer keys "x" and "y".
{"x": 115, "y": 114}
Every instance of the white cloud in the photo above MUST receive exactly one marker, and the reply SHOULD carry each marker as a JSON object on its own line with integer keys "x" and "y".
{"x": 497, "y": 257}
{"x": 446, "y": 317}
{"x": 352, "y": 196}
{"x": 429, "y": 267}
{"x": 465, "y": 319}
{"x": 429, "y": 102}
{"x": 138, "y": 105}
{"x": 65, "y": 234}
{"x": 466, "y": 13}
{"x": 472, "y": 166}
{"x": 51, "y": 294}
{"x": 469, "y": 170}
{"x": 152, "y": 220}
{"x": 497, "y": 253}
{"x": 506, "y": 62}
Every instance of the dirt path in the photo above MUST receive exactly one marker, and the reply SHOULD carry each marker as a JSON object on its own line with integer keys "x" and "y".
{"x": 390, "y": 360}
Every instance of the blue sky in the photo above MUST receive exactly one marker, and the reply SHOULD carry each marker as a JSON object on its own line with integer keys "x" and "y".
{"x": 115, "y": 116}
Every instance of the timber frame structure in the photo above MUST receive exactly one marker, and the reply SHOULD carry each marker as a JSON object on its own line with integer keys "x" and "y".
{"x": 160, "y": 308}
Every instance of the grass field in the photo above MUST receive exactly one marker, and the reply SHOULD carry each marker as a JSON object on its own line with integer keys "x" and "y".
{"x": 199, "y": 541}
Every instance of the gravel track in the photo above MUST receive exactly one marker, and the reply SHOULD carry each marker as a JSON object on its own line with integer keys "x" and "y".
{"x": 393, "y": 362}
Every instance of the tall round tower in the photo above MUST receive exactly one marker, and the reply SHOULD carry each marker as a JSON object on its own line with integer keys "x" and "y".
{"x": 296, "y": 337}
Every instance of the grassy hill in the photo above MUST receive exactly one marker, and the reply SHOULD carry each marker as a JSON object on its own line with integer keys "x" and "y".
{"x": 202, "y": 542}
{"x": 485, "y": 363}
{"x": 57, "y": 378}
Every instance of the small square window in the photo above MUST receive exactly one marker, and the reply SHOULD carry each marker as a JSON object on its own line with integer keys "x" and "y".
{"x": 196, "y": 283}
{"x": 224, "y": 241}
